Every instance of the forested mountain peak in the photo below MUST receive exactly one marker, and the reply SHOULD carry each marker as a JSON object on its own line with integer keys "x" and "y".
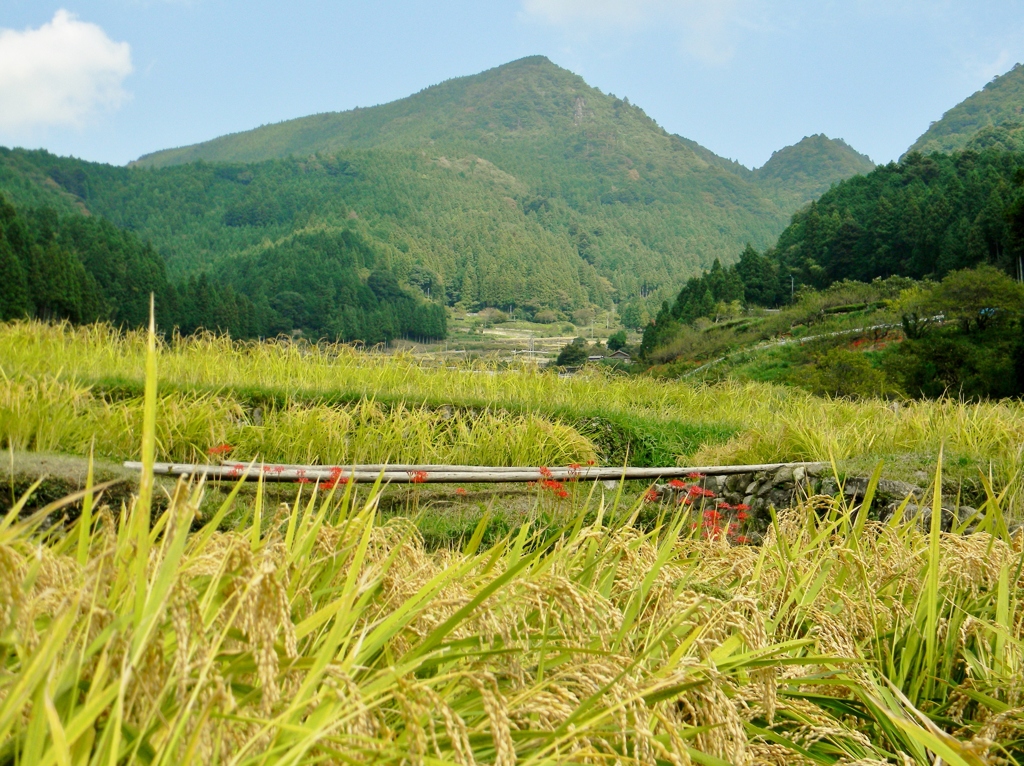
{"x": 511, "y": 102}
{"x": 1000, "y": 101}
{"x": 807, "y": 169}
{"x": 520, "y": 186}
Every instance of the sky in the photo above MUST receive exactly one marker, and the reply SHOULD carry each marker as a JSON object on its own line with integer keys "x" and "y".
{"x": 110, "y": 80}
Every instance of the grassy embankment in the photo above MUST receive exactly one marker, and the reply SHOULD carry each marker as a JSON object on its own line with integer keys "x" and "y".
{"x": 781, "y": 346}
{"x": 313, "y": 633}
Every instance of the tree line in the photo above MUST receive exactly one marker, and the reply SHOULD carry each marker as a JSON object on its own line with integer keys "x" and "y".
{"x": 85, "y": 269}
{"x": 931, "y": 218}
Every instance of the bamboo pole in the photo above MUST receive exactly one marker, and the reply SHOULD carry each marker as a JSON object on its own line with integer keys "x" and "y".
{"x": 446, "y": 474}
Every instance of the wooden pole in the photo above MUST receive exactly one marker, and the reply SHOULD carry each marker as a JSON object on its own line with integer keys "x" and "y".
{"x": 434, "y": 474}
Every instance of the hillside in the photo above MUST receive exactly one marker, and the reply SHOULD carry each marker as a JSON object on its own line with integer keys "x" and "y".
{"x": 1001, "y": 100}
{"x": 803, "y": 172}
{"x": 519, "y": 187}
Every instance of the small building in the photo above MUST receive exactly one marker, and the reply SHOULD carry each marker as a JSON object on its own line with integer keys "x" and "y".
{"x": 619, "y": 356}
{"x": 595, "y": 358}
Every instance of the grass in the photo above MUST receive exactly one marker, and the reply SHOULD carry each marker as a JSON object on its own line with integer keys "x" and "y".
{"x": 317, "y": 632}
{"x": 656, "y": 421}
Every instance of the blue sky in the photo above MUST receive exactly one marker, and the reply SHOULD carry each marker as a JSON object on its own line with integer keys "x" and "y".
{"x": 109, "y": 80}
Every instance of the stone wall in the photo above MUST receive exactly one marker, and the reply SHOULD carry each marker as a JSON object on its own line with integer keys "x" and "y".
{"x": 743, "y": 501}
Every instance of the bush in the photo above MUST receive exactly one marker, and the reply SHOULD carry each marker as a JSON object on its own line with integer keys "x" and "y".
{"x": 573, "y": 354}
{"x": 840, "y": 372}
{"x": 979, "y": 365}
{"x": 547, "y": 316}
{"x": 616, "y": 340}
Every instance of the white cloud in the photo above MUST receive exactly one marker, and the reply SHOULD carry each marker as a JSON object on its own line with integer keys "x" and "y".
{"x": 706, "y": 27}
{"x": 59, "y": 74}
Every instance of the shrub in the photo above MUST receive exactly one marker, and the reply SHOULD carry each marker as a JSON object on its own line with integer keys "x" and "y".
{"x": 616, "y": 340}
{"x": 547, "y": 316}
{"x": 573, "y": 354}
{"x": 840, "y": 372}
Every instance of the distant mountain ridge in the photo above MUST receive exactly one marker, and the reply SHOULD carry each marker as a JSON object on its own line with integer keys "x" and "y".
{"x": 521, "y": 186}
{"x": 1000, "y": 101}
{"x": 492, "y": 113}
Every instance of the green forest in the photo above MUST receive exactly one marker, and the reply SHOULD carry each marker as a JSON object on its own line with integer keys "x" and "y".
{"x": 952, "y": 225}
{"x": 523, "y": 170}
{"x": 84, "y": 269}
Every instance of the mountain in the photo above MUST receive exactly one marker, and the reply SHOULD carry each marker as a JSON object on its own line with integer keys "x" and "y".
{"x": 521, "y": 186}
{"x": 803, "y": 172}
{"x": 1000, "y": 101}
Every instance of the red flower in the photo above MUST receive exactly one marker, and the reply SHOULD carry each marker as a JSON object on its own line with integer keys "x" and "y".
{"x": 562, "y": 494}
{"x": 417, "y": 477}
{"x": 335, "y": 478}
{"x": 220, "y": 449}
{"x": 460, "y": 491}
{"x": 696, "y": 491}
{"x": 742, "y": 516}
{"x": 742, "y": 507}
{"x": 545, "y": 472}
{"x": 590, "y": 462}
{"x": 678, "y": 484}
{"x": 652, "y": 496}
{"x": 724, "y": 506}
{"x": 742, "y": 539}
{"x": 304, "y": 480}
{"x": 574, "y": 466}
{"x": 695, "y": 475}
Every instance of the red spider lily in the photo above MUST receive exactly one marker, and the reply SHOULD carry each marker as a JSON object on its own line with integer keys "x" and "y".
{"x": 304, "y": 480}
{"x": 545, "y": 472}
{"x": 723, "y": 506}
{"x": 742, "y": 507}
{"x": 712, "y": 516}
{"x": 590, "y": 462}
{"x": 742, "y": 516}
{"x": 686, "y": 501}
{"x": 553, "y": 485}
{"x": 574, "y": 466}
{"x": 417, "y": 477}
{"x": 220, "y": 449}
{"x": 335, "y": 478}
{"x": 742, "y": 540}
{"x": 460, "y": 491}
{"x": 694, "y": 475}
{"x": 678, "y": 484}
{"x": 652, "y": 495}
{"x": 696, "y": 491}
{"x": 562, "y": 494}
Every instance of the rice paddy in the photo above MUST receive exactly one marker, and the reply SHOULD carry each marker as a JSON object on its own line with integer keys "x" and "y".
{"x": 317, "y": 631}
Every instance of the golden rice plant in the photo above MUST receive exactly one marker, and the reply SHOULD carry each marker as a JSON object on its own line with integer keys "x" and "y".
{"x": 53, "y": 415}
{"x": 313, "y": 633}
